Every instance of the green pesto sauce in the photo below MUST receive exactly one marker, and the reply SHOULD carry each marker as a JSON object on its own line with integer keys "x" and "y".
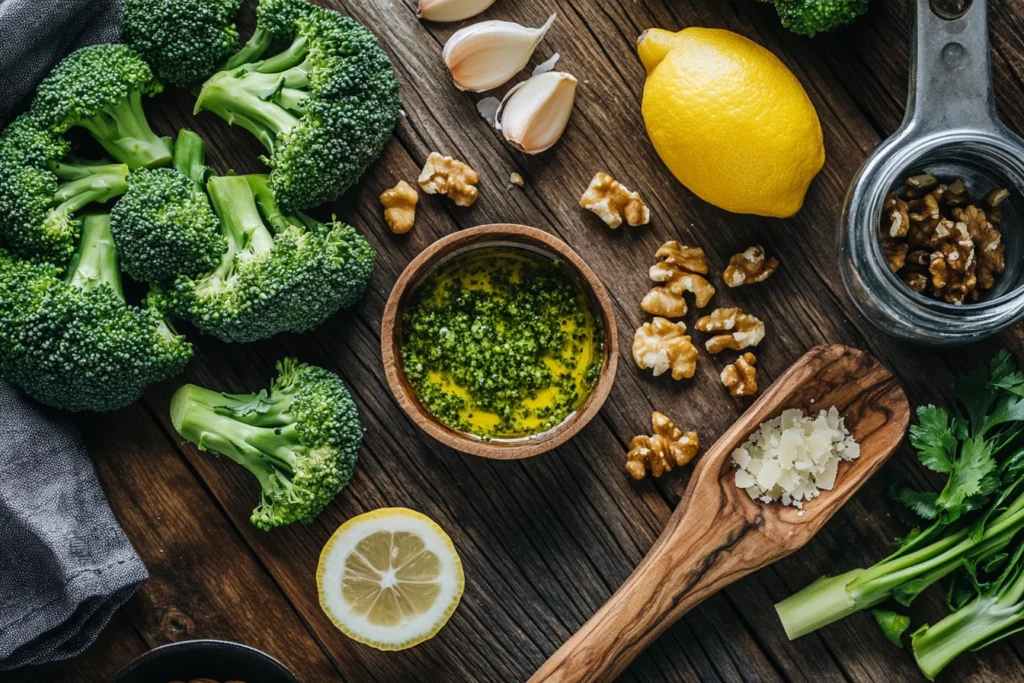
{"x": 501, "y": 343}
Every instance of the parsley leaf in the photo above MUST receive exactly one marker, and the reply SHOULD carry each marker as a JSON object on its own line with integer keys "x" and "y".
{"x": 931, "y": 436}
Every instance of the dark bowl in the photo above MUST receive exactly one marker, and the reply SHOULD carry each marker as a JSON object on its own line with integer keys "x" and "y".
{"x": 220, "y": 660}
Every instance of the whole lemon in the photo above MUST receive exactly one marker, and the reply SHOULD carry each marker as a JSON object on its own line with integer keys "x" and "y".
{"x": 730, "y": 120}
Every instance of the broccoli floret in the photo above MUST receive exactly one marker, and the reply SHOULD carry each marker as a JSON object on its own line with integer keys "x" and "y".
{"x": 164, "y": 225}
{"x": 72, "y": 342}
{"x": 40, "y": 194}
{"x": 184, "y": 41}
{"x": 317, "y": 91}
{"x": 300, "y": 440}
{"x": 280, "y": 273}
{"x": 808, "y": 17}
{"x": 100, "y": 88}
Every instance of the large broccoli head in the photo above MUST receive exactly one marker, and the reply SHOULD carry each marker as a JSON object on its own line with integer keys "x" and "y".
{"x": 72, "y": 342}
{"x": 319, "y": 93}
{"x": 300, "y": 440}
{"x": 41, "y": 191}
{"x": 184, "y": 41}
{"x": 280, "y": 273}
{"x": 100, "y": 88}
{"x": 164, "y": 225}
{"x": 810, "y": 17}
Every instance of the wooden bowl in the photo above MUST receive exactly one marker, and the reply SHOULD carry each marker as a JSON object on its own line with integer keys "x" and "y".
{"x": 497, "y": 235}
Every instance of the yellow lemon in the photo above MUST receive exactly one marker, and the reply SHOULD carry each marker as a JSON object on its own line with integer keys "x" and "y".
{"x": 730, "y": 120}
{"x": 390, "y": 578}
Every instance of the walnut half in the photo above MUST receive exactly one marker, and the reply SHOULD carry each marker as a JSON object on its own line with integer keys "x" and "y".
{"x": 742, "y": 330}
{"x": 749, "y": 267}
{"x": 448, "y": 176}
{"x": 400, "y": 207}
{"x": 677, "y": 270}
{"x": 668, "y": 447}
{"x": 614, "y": 203}
{"x": 741, "y": 377}
{"x": 663, "y": 345}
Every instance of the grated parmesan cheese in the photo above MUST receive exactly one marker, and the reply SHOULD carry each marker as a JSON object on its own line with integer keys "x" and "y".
{"x": 793, "y": 457}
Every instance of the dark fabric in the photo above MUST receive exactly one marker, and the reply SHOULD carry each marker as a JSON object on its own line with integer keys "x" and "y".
{"x": 65, "y": 564}
{"x": 35, "y": 34}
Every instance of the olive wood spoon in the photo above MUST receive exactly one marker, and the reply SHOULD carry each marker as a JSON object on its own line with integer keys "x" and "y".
{"x": 718, "y": 534}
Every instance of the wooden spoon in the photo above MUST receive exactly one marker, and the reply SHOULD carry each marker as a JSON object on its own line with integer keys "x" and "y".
{"x": 717, "y": 533}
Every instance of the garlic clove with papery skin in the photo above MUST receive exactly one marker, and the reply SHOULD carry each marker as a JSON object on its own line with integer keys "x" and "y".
{"x": 489, "y": 53}
{"x": 451, "y": 10}
{"x": 534, "y": 114}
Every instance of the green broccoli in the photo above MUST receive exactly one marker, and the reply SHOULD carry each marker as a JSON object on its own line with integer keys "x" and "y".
{"x": 100, "y": 88}
{"x": 280, "y": 273}
{"x": 317, "y": 91}
{"x": 300, "y": 440}
{"x": 809, "y": 17}
{"x": 71, "y": 341}
{"x": 164, "y": 226}
{"x": 183, "y": 40}
{"x": 41, "y": 193}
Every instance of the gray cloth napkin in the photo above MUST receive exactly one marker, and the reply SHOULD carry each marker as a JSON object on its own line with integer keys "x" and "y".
{"x": 65, "y": 564}
{"x": 34, "y": 34}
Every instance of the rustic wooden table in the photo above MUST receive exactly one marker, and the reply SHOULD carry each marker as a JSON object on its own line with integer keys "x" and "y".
{"x": 544, "y": 541}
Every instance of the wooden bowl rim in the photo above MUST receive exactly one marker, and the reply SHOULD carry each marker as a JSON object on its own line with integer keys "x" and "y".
{"x": 406, "y": 395}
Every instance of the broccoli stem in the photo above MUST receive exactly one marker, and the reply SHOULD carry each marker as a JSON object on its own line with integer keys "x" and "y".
{"x": 190, "y": 157}
{"x": 265, "y": 97}
{"x": 95, "y": 262}
{"x": 205, "y": 418}
{"x": 269, "y": 208}
{"x": 123, "y": 130}
{"x": 87, "y": 183}
{"x": 240, "y": 221}
{"x": 254, "y": 49}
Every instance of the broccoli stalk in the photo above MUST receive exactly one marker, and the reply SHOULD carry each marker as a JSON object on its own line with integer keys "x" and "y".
{"x": 123, "y": 130}
{"x": 300, "y": 440}
{"x": 83, "y": 182}
{"x": 240, "y": 223}
{"x": 95, "y": 262}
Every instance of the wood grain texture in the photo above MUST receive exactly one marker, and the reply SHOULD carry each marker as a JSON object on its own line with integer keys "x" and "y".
{"x": 545, "y": 541}
{"x": 718, "y": 534}
{"x": 474, "y": 238}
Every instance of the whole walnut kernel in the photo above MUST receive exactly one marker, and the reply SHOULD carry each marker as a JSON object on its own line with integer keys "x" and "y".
{"x": 448, "y": 176}
{"x": 663, "y": 345}
{"x": 742, "y": 330}
{"x": 614, "y": 203}
{"x": 677, "y": 270}
{"x": 741, "y": 377}
{"x": 668, "y": 447}
{"x": 749, "y": 267}
{"x": 400, "y": 207}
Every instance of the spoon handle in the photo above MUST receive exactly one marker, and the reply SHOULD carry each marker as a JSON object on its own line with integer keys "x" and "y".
{"x": 706, "y": 546}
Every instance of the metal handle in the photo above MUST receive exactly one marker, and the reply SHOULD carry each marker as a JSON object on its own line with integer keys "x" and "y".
{"x": 950, "y": 74}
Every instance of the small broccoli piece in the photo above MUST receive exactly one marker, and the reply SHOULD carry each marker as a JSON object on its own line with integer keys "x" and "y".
{"x": 280, "y": 273}
{"x": 184, "y": 41}
{"x": 318, "y": 92}
{"x": 100, "y": 88}
{"x": 809, "y": 17}
{"x": 164, "y": 225}
{"x": 40, "y": 194}
{"x": 300, "y": 440}
{"x": 72, "y": 342}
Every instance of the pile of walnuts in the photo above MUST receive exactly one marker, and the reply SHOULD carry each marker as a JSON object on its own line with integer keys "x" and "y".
{"x": 939, "y": 243}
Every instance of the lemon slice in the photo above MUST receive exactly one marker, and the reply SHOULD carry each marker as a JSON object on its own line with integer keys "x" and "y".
{"x": 390, "y": 578}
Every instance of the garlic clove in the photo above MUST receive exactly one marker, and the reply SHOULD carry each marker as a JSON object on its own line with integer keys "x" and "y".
{"x": 489, "y": 53}
{"x": 451, "y": 10}
{"x": 534, "y": 114}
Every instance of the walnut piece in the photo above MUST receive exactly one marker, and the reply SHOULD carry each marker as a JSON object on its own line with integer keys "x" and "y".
{"x": 678, "y": 271}
{"x": 516, "y": 179}
{"x": 613, "y": 202}
{"x": 448, "y": 176}
{"x": 742, "y": 329}
{"x": 946, "y": 247}
{"x": 668, "y": 447}
{"x": 661, "y": 345}
{"x": 741, "y": 377}
{"x": 400, "y": 207}
{"x": 749, "y": 267}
